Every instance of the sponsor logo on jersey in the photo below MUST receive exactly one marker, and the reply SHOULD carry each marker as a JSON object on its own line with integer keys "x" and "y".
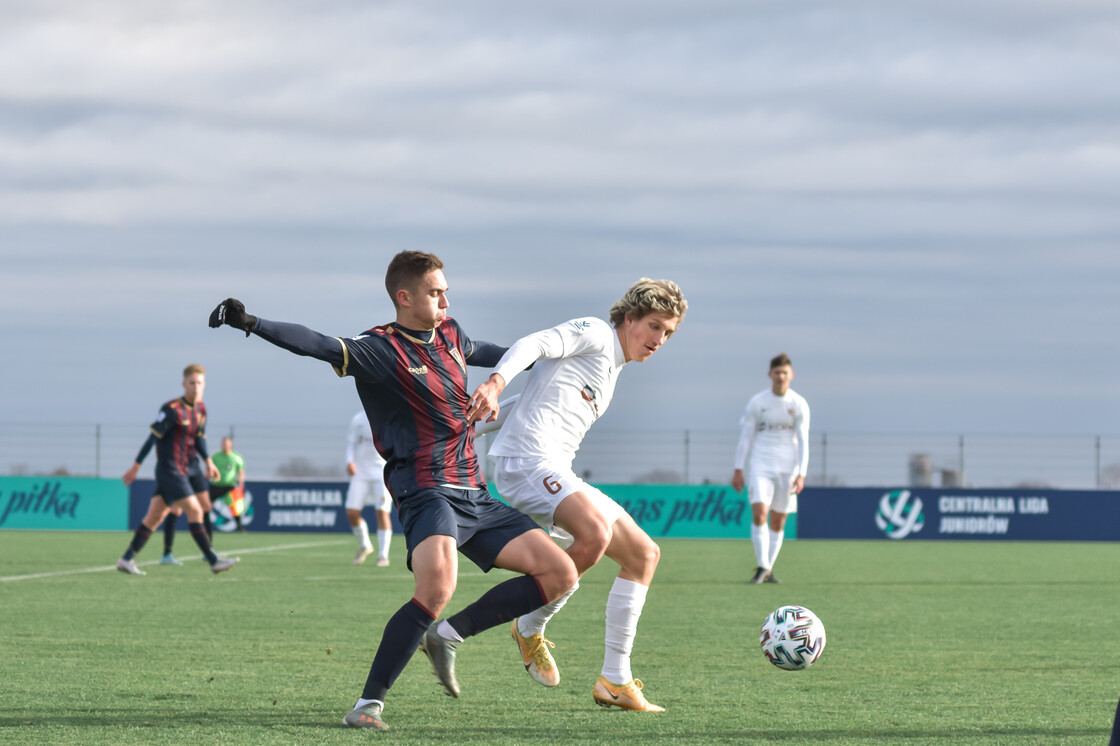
{"x": 419, "y": 371}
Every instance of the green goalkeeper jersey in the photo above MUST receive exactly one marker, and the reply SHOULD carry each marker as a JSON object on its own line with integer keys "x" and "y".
{"x": 229, "y": 468}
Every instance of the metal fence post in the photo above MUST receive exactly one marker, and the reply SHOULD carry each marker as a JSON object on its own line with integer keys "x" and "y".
{"x": 1098, "y": 461}
{"x": 824, "y": 458}
{"x": 960, "y": 461}
{"x": 686, "y": 456}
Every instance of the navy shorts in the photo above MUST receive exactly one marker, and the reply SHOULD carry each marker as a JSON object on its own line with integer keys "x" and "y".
{"x": 173, "y": 486}
{"x": 480, "y": 525}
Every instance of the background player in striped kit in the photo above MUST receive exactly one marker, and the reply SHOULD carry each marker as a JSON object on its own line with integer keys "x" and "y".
{"x": 775, "y": 437}
{"x": 366, "y": 468}
{"x": 179, "y": 436}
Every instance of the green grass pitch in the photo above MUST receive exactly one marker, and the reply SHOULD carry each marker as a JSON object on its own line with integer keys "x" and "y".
{"x": 928, "y": 643}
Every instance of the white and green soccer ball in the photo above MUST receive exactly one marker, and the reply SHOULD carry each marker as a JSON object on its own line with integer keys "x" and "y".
{"x": 792, "y": 638}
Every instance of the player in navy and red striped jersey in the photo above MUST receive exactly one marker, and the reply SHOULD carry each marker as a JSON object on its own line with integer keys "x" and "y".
{"x": 411, "y": 377}
{"x": 179, "y": 436}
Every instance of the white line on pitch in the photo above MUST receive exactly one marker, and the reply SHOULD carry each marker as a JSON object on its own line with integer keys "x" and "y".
{"x": 254, "y": 550}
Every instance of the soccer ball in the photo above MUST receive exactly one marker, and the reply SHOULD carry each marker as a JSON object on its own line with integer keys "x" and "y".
{"x": 792, "y": 638}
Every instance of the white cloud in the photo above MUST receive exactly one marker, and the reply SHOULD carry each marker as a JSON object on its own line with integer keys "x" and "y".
{"x": 892, "y": 193}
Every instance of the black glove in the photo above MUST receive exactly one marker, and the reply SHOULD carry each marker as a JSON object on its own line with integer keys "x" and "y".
{"x": 232, "y": 312}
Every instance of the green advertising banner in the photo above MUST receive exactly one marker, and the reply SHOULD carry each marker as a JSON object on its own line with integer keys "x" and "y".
{"x": 688, "y": 511}
{"x": 63, "y": 503}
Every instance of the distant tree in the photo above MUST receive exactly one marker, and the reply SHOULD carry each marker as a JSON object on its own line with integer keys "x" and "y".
{"x": 659, "y": 476}
{"x": 300, "y": 466}
{"x": 1110, "y": 476}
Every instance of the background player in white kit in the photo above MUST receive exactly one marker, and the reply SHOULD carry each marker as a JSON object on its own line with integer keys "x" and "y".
{"x": 776, "y": 438}
{"x": 367, "y": 487}
{"x": 575, "y": 367}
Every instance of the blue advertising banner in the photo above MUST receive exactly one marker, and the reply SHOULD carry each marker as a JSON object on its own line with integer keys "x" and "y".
{"x": 63, "y": 503}
{"x": 287, "y": 506}
{"x": 959, "y": 514}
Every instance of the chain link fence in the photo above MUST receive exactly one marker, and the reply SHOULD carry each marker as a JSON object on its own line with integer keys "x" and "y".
{"x": 620, "y": 456}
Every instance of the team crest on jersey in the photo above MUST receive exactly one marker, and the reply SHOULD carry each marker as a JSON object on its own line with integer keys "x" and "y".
{"x": 588, "y": 395}
{"x": 458, "y": 358}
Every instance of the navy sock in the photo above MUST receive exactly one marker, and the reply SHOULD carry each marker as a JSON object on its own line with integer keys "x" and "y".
{"x": 209, "y": 526}
{"x": 503, "y": 602}
{"x": 169, "y": 532}
{"x": 139, "y": 539}
{"x": 398, "y": 642}
{"x": 198, "y": 533}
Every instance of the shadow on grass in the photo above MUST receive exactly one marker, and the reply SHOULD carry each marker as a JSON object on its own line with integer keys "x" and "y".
{"x": 464, "y": 733}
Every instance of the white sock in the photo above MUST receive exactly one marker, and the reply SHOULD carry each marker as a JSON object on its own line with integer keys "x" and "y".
{"x": 364, "y": 702}
{"x": 447, "y": 632}
{"x": 624, "y": 606}
{"x": 775, "y": 544}
{"x": 533, "y": 623}
{"x": 362, "y": 532}
{"x": 384, "y": 536}
{"x": 760, "y": 537}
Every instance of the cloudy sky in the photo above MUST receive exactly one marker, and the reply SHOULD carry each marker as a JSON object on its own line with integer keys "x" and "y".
{"x": 919, "y": 202}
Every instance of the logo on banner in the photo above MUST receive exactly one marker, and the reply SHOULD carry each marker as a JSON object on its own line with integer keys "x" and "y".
{"x": 224, "y": 514}
{"x": 899, "y": 515}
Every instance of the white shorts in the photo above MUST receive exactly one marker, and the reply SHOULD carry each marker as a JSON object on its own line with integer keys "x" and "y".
{"x": 536, "y": 486}
{"x": 773, "y": 490}
{"x": 364, "y": 491}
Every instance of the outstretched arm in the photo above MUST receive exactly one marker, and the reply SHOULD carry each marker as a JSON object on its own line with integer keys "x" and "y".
{"x": 292, "y": 337}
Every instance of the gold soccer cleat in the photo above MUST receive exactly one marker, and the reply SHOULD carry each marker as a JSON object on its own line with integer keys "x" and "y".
{"x": 534, "y": 654}
{"x": 627, "y": 696}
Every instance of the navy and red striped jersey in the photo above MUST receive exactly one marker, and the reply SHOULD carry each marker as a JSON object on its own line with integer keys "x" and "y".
{"x": 413, "y": 387}
{"x": 178, "y": 428}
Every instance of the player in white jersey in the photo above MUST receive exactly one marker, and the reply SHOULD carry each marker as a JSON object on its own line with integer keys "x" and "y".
{"x": 571, "y": 384}
{"x": 367, "y": 487}
{"x": 775, "y": 436}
